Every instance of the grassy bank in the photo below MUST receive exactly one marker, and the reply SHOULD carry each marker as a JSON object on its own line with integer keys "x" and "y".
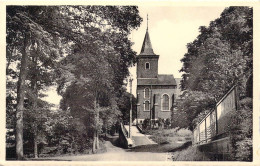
{"x": 168, "y": 140}
{"x": 190, "y": 153}
{"x": 169, "y": 136}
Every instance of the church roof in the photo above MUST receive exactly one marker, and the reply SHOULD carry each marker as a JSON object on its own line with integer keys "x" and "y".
{"x": 162, "y": 79}
{"x": 147, "y": 45}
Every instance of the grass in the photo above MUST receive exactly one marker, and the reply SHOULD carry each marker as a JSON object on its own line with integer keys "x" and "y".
{"x": 169, "y": 136}
{"x": 168, "y": 140}
{"x": 190, "y": 153}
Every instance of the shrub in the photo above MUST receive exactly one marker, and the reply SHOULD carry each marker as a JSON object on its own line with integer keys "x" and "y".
{"x": 146, "y": 124}
{"x": 241, "y": 131}
{"x": 167, "y": 123}
{"x": 184, "y": 132}
{"x": 179, "y": 119}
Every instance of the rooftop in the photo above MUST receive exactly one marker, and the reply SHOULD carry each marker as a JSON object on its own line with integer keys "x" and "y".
{"x": 162, "y": 79}
{"x": 147, "y": 45}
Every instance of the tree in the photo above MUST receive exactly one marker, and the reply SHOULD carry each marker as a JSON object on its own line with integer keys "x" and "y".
{"x": 95, "y": 35}
{"x": 124, "y": 106}
{"x": 25, "y": 32}
{"x": 98, "y": 64}
{"x": 220, "y": 57}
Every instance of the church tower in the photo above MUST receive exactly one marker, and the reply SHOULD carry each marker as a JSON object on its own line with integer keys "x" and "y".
{"x": 147, "y": 60}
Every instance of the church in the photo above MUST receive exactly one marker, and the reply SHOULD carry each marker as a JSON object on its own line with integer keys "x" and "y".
{"x": 156, "y": 93}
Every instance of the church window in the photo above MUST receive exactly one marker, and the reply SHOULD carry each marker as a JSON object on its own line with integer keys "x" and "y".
{"x": 147, "y": 65}
{"x": 146, "y": 106}
{"x": 146, "y": 93}
{"x": 165, "y": 102}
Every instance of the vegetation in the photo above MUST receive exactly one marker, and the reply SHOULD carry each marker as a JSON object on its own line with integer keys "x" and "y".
{"x": 220, "y": 57}
{"x": 85, "y": 52}
{"x": 169, "y": 136}
{"x": 241, "y": 131}
{"x": 191, "y": 153}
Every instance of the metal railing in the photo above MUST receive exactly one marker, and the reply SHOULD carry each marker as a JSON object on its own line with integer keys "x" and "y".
{"x": 214, "y": 125}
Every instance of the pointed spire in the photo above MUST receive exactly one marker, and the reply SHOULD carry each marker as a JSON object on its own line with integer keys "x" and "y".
{"x": 147, "y": 45}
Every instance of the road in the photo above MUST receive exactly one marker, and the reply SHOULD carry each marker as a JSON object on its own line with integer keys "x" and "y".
{"x": 115, "y": 153}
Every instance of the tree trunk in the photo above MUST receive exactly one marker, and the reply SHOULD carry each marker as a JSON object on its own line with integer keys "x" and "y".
{"x": 20, "y": 100}
{"x": 34, "y": 106}
{"x": 94, "y": 148}
{"x": 97, "y": 140}
{"x": 95, "y": 135}
{"x": 35, "y": 144}
{"x": 94, "y": 142}
{"x": 97, "y": 131}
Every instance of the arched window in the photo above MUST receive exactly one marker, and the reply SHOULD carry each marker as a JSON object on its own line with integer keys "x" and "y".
{"x": 147, "y": 65}
{"x": 146, "y": 93}
{"x": 146, "y": 106}
{"x": 165, "y": 102}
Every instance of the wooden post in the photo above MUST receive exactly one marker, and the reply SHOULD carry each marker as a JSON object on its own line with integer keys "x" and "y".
{"x": 130, "y": 116}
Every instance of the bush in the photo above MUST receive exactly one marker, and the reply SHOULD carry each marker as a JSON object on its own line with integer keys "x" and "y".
{"x": 146, "y": 124}
{"x": 184, "y": 133}
{"x": 241, "y": 131}
{"x": 179, "y": 119}
{"x": 167, "y": 123}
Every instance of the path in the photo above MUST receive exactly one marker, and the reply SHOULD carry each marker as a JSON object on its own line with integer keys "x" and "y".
{"x": 139, "y": 138}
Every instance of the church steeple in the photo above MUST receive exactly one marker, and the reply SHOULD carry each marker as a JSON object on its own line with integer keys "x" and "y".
{"x": 147, "y": 60}
{"x": 147, "y": 45}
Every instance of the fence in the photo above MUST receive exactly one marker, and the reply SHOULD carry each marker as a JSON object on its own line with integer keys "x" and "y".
{"x": 211, "y": 131}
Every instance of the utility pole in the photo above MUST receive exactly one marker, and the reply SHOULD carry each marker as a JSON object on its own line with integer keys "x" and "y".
{"x": 130, "y": 119}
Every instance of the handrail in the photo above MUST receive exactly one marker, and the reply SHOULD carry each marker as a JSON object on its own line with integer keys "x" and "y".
{"x": 125, "y": 132}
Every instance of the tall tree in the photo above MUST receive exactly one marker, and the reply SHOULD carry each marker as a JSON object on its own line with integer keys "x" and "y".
{"x": 99, "y": 63}
{"x": 220, "y": 57}
{"x": 23, "y": 32}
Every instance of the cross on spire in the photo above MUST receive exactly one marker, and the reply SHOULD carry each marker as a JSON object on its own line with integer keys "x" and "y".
{"x": 147, "y": 22}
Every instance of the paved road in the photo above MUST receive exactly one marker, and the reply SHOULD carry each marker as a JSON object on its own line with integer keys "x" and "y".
{"x": 139, "y": 138}
{"x": 117, "y": 154}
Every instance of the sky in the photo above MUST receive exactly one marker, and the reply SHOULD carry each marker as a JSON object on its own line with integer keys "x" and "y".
{"x": 170, "y": 30}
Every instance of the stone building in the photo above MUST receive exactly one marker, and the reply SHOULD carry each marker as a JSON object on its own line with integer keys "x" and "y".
{"x": 156, "y": 93}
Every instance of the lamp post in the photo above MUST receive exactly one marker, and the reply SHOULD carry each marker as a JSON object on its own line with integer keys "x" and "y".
{"x": 130, "y": 117}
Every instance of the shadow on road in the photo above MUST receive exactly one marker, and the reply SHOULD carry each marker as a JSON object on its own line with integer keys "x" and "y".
{"x": 161, "y": 148}
{"x": 114, "y": 139}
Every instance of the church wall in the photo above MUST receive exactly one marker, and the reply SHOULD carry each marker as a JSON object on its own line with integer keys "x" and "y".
{"x": 159, "y": 91}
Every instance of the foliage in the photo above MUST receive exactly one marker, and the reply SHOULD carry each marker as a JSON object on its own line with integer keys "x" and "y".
{"x": 241, "y": 129}
{"x": 169, "y": 136}
{"x": 146, "y": 123}
{"x": 167, "y": 123}
{"x": 179, "y": 119}
{"x": 184, "y": 132}
{"x": 192, "y": 153}
{"x": 220, "y": 57}
{"x": 124, "y": 106}
{"x": 89, "y": 50}
{"x": 90, "y": 78}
